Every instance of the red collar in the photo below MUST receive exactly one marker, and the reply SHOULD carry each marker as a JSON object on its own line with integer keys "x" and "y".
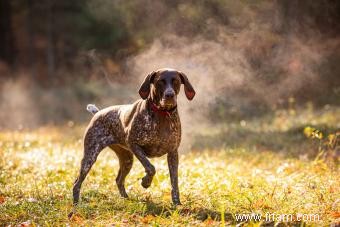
{"x": 165, "y": 113}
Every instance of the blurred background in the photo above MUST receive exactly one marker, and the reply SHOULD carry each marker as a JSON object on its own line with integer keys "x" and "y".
{"x": 254, "y": 64}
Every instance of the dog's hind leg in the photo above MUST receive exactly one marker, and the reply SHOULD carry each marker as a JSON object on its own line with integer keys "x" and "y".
{"x": 125, "y": 164}
{"x": 96, "y": 139}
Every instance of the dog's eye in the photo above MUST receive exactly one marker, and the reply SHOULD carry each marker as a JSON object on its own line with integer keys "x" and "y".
{"x": 161, "y": 82}
{"x": 175, "y": 83}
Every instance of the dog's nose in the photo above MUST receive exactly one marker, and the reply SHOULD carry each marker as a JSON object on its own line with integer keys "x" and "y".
{"x": 169, "y": 95}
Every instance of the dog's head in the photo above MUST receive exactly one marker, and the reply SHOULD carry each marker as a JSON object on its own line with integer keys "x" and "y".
{"x": 163, "y": 86}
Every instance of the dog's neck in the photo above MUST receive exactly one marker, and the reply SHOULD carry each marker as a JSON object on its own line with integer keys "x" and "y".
{"x": 163, "y": 112}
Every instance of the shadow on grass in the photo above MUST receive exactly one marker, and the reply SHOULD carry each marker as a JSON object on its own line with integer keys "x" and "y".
{"x": 202, "y": 214}
{"x": 144, "y": 207}
{"x": 199, "y": 213}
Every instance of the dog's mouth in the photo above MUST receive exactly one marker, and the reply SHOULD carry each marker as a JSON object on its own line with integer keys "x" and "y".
{"x": 168, "y": 104}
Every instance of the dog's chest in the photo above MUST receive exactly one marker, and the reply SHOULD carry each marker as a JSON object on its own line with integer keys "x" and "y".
{"x": 158, "y": 134}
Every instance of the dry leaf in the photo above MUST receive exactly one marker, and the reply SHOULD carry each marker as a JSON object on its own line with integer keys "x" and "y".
{"x": 331, "y": 189}
{"x": 209, "y": 221}
{"x": 2, "y": 199}
{"x": 147, "y": 219}
{"x": 25, "y": 224}
{"x": 335, "y": 214}
{"x": 258, "y": 204}
{"x": 76, "y": 218}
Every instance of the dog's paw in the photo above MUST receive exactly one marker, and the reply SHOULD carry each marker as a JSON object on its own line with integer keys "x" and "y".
{"x": 178, "y": 204}
{"x": 146, "y": 181}
{"x": 123, "y": 194}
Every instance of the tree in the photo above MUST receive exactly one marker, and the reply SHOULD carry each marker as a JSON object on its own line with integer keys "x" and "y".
{"x": 7, "y": 50}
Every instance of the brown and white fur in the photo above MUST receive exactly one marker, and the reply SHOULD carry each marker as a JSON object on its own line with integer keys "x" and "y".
{"x": 148, "y": 128}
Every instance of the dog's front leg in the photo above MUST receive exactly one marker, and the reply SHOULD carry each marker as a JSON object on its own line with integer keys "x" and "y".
{"x": 173, "y": 169}
{"x": 149, "y": 168}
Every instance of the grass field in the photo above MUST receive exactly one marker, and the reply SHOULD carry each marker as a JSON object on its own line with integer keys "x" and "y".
{"x": 262, "y": 167}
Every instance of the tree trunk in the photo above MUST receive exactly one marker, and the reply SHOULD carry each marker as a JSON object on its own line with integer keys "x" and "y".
{"x": 7, "y": 51}
{"x": 50, "y": 39}
{"x": 31, "y": 40}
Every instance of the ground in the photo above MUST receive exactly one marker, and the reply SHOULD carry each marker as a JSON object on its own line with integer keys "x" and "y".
{"x": 268, "y": 168}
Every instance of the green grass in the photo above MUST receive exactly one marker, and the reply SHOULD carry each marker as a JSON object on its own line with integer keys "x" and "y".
{"x": 37, "y": 169}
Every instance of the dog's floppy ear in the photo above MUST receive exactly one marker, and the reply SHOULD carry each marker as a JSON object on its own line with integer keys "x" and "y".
{"x": 188, "y": 89}
{"x": 144, "y": 89}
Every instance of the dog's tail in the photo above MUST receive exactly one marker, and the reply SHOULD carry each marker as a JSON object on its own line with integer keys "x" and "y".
{"x": 92, "y": 108}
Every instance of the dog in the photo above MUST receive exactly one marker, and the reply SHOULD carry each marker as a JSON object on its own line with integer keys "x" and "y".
{"x": 148, "y": 128}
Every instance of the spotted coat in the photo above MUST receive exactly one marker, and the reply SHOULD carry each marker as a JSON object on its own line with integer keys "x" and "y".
{"x": 137, "y": 130}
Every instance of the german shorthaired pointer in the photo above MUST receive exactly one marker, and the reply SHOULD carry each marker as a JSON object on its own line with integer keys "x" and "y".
{"x": 148, "y": 128}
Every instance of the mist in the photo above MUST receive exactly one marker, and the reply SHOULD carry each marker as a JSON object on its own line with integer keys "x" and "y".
{"x": 243, "y": 60}
{"x": 246, "y": 71}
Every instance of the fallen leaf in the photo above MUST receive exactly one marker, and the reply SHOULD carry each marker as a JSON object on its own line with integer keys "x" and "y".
{"x": 25, "y": 224}
{"x": 208, "y": 221}
{"x": 335, "y": 214}
{"x": 2, "y": 199}
{"x": 147, "y": 219}
{"x": 185, "y": 211}
{"x": 76, "y": 218}
{"x": 259, "y": 204}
